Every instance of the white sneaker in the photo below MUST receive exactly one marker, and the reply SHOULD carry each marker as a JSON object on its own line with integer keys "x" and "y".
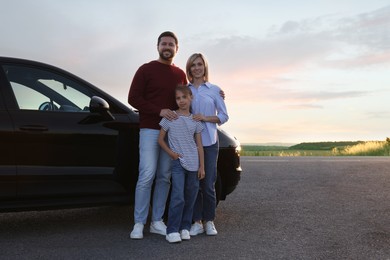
{"x": 158, "y": 227}
{"x": 185, "y": 234}
{"x": 137, "y": 232}
{"x": 173, "y": 237}
{"x": 196, "y": 229}
{"x": 210, "y": 228}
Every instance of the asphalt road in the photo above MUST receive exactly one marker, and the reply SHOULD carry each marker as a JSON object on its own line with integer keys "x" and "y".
{"x": 284, "y": 208}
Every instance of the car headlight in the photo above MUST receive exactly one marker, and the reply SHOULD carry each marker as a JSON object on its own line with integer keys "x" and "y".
{"x": 238, "y": 149}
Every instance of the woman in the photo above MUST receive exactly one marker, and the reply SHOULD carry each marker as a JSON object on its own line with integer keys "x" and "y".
{"x": 209, "y": 107}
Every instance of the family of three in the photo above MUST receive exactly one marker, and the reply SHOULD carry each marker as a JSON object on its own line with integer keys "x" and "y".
{"x": 178, "y": 143}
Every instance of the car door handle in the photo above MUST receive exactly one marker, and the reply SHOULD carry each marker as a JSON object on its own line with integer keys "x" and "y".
{"x": 34, "y": 128}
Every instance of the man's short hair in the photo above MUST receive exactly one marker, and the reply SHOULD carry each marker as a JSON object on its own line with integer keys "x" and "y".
{"x": 167, "y": 34}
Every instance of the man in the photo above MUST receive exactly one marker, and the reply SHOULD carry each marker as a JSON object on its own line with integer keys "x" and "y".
{"x": 152, "y": 93}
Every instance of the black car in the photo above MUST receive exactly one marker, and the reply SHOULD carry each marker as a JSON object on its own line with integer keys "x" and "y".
{"x": 67, "y": 143}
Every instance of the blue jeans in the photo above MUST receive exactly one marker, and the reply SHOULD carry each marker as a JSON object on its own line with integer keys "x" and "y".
{"x": 154, "y": 163}
{"x": 185, "y": 186}
{"x": 206, "y": 202}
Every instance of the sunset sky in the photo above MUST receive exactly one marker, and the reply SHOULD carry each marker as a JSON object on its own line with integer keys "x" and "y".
{"x": 293, "y": 71}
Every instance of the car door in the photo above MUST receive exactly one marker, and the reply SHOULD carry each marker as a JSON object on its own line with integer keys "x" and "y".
{"x": 61, "y": 148}
{"x": 7, "y": 157}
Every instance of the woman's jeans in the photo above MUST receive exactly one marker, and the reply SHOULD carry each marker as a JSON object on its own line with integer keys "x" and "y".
{"x": 185, "y": 186}
{"x": 206, "y": 203}
{"x": 154, "y": 163}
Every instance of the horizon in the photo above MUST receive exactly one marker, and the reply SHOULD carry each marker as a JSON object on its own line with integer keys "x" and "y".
{"x": 292, "y": 144}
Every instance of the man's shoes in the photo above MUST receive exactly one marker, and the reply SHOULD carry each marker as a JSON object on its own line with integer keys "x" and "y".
{"x": 137, "y": 232}
{"x": 185, "y": 234}
{"x": 173, "y": 237}
{"x": 210, "y": 228}
{"x": 158, "y": 227}
{"x": 196, "y": 229}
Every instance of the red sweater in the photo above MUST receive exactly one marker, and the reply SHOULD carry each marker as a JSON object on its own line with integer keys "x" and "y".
{"x": 152, "y": 89}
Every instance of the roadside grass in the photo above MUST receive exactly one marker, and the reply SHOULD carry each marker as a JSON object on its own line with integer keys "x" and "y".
{"x": 285, "y": 152}
{"x": 358, "y": 148}
{"x": 372, "y": 148}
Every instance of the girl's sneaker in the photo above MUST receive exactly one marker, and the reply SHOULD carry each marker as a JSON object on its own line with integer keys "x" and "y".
{"x": 185, "y": 234}
{"x": 173, "y": 237}
{"x": 196, "y": 229}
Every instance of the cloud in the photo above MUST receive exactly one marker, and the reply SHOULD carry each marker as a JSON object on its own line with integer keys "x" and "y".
{"x": 361, "y": 61}
{"x": 327, "y": 95}
{"x": 370, "y": 30}
{"x": 277, "y": 90}
{"x": 268, "y": 56}
{"x": 379, "y": 114}
{"x": 364, "y": 40}
{"x": 294, "y": 45}
{"x": 292, "y": 99}
{"x": 263, "y": 70}
{"x": 302, "y": 106}
{"x": 289, "y": 27}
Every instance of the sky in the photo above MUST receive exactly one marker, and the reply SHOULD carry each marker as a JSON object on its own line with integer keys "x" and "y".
{"x": 292, "y": 71}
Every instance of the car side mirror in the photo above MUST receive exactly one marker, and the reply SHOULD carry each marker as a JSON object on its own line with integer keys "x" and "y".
{"x": 100, "y": 106}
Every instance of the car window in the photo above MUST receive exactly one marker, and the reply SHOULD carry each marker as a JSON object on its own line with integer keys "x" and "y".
{"x": 37, "y": 89}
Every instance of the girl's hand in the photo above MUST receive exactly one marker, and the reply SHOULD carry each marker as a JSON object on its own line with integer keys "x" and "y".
{"x": 175, "y": 156}
{"x": 201, "y": 173}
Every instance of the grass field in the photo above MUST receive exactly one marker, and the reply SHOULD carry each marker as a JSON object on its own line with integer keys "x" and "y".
{"x": 358, "y": 148}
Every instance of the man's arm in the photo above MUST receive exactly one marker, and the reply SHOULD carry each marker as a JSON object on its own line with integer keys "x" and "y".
{"x": 136, "y": 97}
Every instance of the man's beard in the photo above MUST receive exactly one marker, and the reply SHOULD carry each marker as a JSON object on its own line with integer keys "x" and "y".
{"x": 166, "y": 57}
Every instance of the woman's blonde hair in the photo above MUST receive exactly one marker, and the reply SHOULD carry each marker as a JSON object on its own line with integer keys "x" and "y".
{"x": 190, "y": 61}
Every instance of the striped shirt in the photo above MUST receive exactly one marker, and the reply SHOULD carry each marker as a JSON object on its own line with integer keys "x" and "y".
{"x": 181, "y": 139}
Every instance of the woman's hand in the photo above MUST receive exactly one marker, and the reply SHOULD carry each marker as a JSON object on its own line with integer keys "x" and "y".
{"x": 199, "y": 117}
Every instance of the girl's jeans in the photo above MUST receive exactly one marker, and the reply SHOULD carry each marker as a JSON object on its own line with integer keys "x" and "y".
{"x": 185, "y": 186}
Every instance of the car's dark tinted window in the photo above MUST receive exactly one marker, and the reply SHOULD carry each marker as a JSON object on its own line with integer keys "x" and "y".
{"x": 37, "y": 89}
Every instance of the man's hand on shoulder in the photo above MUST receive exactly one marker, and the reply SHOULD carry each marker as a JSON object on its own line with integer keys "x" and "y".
{"x": 168, "y": 114}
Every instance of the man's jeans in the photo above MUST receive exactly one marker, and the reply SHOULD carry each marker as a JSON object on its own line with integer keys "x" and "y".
{"x": 154, "y": 163}
{"x": 185, "y": 186}
{"x": 205, "y": 204}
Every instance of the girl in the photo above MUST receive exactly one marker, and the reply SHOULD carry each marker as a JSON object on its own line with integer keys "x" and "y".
{"x": 186, "y": 150}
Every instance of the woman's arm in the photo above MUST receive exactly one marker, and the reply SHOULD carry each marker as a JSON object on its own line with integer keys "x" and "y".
{"x": 222, "y": 113}
{"x": 221, "y": 116}
{"x": 210, "y": 119}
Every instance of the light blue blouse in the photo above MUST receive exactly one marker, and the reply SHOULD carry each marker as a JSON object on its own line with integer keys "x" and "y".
{"x": 208, "y": 102}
